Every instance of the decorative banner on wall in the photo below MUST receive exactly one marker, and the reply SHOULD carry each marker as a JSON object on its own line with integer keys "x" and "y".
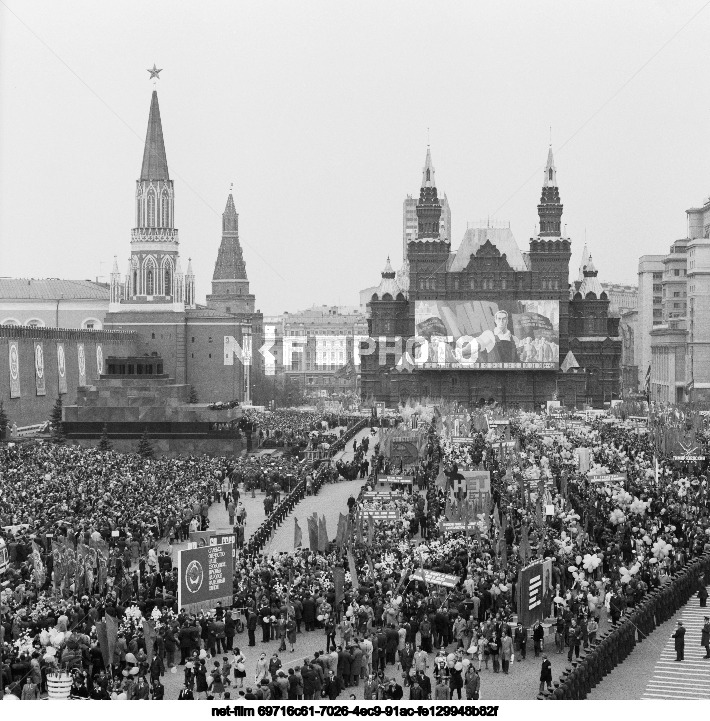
{"x": 434, "y": 577}
{"x": 206, "y": 577}
{"x": 82, "y": 363}
{"x": 39, "y": 370}
{"x": 99, "y": 361}
{"x": 61, "y": 368}
{"x": 14, "y": 370}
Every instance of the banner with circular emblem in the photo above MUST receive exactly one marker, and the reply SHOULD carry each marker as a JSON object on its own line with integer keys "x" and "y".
{"x": 206, "y": 577}
{"x": 39, "y": 370}
{"x": 82, "y": 363}
{"x": 14, "y": 356}
{"x": 99, "y": 361}
{"x": 61, "y": 368}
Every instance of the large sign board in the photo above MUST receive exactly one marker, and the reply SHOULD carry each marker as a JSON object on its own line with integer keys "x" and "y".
{"x": 222, "y": 538}
{"x": 379, "y": 515}
{"x": 14, "y": 354}
{"x": 435, "y": 578}
{"x": 478, "y": 486}
{"x": 206, "y": 577}
{"x": 607, "y": 477}
{"x": 487, "y": 335}
{"x": 535, "y": 592}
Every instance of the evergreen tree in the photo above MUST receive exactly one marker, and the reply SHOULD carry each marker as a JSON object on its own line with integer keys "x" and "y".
{"x": 4, "y": 422}
{"x": 104, "y": 443}
{"x": 193, "y": 395}
{"x": 145, "y": 449}
{"x": 57, "y": 425}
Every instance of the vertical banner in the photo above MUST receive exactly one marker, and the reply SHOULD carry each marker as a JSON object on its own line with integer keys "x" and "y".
{"x": 82, "y": 363}
{"x": 99, "y": 360}
{"x": 61, "y": 368}
{"x": 39, "y": 370}
{"x": 14, "y": 370}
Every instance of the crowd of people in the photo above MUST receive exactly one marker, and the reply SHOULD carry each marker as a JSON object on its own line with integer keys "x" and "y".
{"x": 619, "y": 521}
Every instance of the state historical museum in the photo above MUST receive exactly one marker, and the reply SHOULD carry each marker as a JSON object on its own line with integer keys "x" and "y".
{"x": 489, "y": 323}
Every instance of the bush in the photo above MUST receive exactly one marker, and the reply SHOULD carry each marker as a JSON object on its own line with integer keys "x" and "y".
{"x": 145, "y": 448}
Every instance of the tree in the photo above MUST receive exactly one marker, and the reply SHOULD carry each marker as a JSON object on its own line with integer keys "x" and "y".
{"x": 57, "y": 424}
{"x": 193, "y": 395}
{"x": 104, "y": 443}
{"x": 145, "y": 449}
{"x": 4, "y": 422}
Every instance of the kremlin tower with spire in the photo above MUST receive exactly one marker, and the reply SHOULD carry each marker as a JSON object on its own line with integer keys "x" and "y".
{"x": 158, "y": 301}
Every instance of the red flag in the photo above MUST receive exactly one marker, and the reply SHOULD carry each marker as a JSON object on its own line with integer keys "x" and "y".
{"x": 297, "y": 535}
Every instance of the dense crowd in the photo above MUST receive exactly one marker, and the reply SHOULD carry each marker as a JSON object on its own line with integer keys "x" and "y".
{"x": 611, "y": 544}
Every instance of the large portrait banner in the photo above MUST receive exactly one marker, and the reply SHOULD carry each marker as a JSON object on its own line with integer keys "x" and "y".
{"x": 14, "y": 359}
{"x": 40, "y": 383}
{"x": 486, "y": 335}
{"x": 61, "y": 368}
{"x": 81, "y": 359}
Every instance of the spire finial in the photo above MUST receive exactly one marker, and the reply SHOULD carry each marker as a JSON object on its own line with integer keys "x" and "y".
{"x": 550, "y": 136}
{"x": 427, "y": 137}
{"x": 231, "y": 186}
{"x": 154, "y": 74}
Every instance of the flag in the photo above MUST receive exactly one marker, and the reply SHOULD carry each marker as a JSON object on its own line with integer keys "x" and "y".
{"x": 524, "y": 545}
{"x": 342, "y": 530}
{"x": 38, "y": 569}
{"x": 353, "y": 571}
{"x": 322, "y": 535}
{"x": 297, "y": 535}
{"x": 647, "y": 384}
{"x": 504, "y": 544}
{"x": 149, "y": 635}
{"x": 538, "y": 512}
{"x": 447, "y": 510}
{"x": 655, "y": 469}
{"x": 496, "y": 516}
{"x": 371, "y": 565}
{"x": 339, "y": 582}
{"x": 370, "y": 530}
{"x": 111, "y": 634}
{"x": 79, "y": 576}
{"x": 313, "y": 533}
{"x": 360, "y": 530}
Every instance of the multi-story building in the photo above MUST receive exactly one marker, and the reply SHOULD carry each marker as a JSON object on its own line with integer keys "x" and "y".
{"x": 314, "y": 350}
{"x": 680, "y": 344}
{"x": 473, "y": 294}
{"x": 650, "y": 312}
{"x": 53, "y": 303}
{"x": 622, "y": 298}
{"x": 212, "y": 347}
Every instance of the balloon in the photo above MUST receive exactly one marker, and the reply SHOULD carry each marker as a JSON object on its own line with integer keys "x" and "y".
{"x": 466, "y": 662}
{"x": 203, "y": 653}
{"x": 458, "y": 666}
{"x": 130, "y": 658}
{"x": 349, "y": 613}
{"x": 320, "y": 618}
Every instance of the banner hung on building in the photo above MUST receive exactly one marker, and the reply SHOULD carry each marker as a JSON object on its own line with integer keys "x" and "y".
{"x": 40, "y": 384}
{"x": 14, "y": 358}
{"x": 81, "y": 360}
{"x": 486, "y": 335}
{"x": 535, "y": 592}
{"x": 206, "y": 577}
{"x": 61, "y": 369}
{"x": 99, "y": 360}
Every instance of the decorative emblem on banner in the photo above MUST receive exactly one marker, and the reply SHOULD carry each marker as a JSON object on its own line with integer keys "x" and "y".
{"x": 14, "y": 371}
{"x": 99, "y": 360}
{"x": 61, "y": 368}
{"x": 194, "y": 576}
{"x": 82, "y": 364}
{"x": 39, "y": 370}
{"x": 689, "y": 455}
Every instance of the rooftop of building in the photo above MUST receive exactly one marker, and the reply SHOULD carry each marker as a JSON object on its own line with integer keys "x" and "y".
{"x": 474, "y": 238}
{"x": 52, "y": 289}
{"x": 327, "y": 313}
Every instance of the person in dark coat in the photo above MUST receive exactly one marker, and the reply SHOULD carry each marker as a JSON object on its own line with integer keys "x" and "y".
{"x": 545, "y": 674}
{"x": 705, "y": 637}
{"x": 309, "y": 613}
{"x": 679, "y": 637}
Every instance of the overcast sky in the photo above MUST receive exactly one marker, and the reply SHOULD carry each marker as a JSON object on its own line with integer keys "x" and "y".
{"x": 318, "y": 112}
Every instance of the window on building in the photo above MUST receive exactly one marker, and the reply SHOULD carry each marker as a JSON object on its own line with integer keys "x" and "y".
{"x": 676, "y": 294}
{"x": 165, "y": 207}
{"x": 658, "y": 276}
{"x": 151, "y": 210}
{"x": 657, "y": 300}
{"x": 168, "y": 290}
{"x": 149, "y": 282}
{"x": 676, "y": 271}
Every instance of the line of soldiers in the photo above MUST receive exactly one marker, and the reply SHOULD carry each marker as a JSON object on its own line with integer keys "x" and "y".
{"x": 612, "y": 647}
